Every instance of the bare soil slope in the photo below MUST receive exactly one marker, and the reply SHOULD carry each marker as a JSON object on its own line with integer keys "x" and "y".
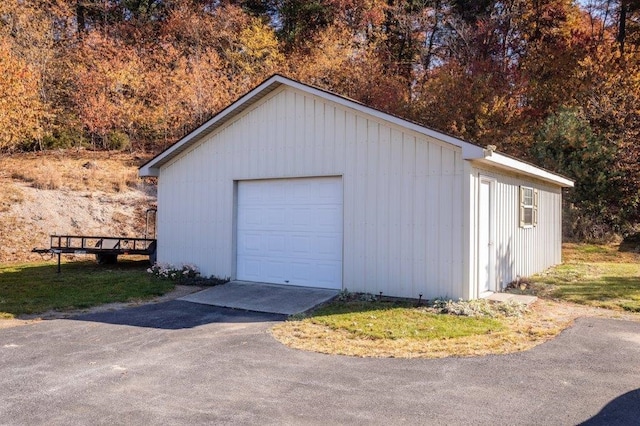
{"x": 69, "y": 192}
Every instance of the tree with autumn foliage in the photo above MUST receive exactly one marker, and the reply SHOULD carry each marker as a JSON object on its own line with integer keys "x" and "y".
{"x": 535, "y": 78}
{"x": 28, "y": 62}
{"x": 611, "y": 100}
{"x": 21, "y": 110}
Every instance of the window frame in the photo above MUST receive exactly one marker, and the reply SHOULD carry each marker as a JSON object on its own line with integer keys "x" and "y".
{"x": 528, "y": 193}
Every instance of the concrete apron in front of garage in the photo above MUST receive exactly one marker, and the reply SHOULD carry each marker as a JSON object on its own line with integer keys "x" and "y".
{"x": 262, "y": 297}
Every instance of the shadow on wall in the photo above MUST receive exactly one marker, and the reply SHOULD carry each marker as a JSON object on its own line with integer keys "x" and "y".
{"x": 624, "y": 410}
{"x": 504, "y": 266}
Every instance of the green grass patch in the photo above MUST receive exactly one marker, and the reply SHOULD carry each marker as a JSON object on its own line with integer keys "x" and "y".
{"x": 592, "y": 248}
{"x": 381, "y": 320}
{"x": 598, "y": 253}
{"x": 33, "y": 288}
{"x": 601, "y": 284}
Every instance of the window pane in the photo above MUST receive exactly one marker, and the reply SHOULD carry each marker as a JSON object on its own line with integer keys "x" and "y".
{"x": 528, "y": 216}
{"x": 527, "y": 197}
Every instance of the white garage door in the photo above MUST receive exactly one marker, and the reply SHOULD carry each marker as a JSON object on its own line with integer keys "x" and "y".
{"x": 290, "y": 231}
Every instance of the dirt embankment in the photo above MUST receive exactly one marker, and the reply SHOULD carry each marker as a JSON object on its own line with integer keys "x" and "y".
{"x": 69, "y": 193}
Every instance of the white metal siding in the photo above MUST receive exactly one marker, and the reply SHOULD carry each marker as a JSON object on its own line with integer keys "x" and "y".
{"x": 520, "y": 251}
{"x": 402, "y": 193}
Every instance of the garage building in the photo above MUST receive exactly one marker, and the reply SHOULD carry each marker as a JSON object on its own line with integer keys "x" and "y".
{"x": 294, "y": 185}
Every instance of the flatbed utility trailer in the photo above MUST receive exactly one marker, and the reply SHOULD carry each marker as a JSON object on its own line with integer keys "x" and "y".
{"x": 106, "y": 249}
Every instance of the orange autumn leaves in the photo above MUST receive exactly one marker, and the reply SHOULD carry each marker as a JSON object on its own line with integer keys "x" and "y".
{"x": 139, "y": 74}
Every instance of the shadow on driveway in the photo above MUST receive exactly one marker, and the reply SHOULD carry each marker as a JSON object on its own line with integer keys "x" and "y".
{"x": 176, "y": 315}
{"x": 624, "y": 410}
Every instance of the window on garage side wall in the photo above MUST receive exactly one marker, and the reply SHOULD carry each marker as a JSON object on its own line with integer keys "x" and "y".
{"x": 528, "y": 207}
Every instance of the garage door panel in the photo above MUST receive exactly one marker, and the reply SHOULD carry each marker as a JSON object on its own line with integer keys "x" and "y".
{"x": 317, "y": 274}
{"x": 249, "y": 218}
{"x": 301, "y": 271}
{"x": 301, "y": 245}
{"x": 256, "y": 269}
{"x": 250, "y": 243}
{"x": 328, "y": 218}
{"x": 290, "y": 231}
{"x": 274, "y": 270}
{"x": 328, "y": 272}
{"x": 300, "y": 218}
{"x": 274, "y": 217}
{"x": 251, "y": 194}
{"x": 250, "y": 269}
{"x": 279, "y": 192}
{"x": 276, "y": 244}
{"x": 300, "y": 193}
{"x": 328, "y": 246}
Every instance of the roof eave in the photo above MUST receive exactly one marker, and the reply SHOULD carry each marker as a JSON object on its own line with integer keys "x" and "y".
{"x": 504, "y": 162}
{"x": 147, "y": 171}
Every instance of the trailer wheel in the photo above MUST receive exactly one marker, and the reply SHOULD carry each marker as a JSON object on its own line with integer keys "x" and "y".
{"x": 153, "y": 253}
{"x": 106, "y": 258}
{"x": 153, "y": 257}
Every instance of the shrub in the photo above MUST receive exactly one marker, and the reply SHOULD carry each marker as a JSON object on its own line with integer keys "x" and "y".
{"x": 346, "y": 296}
{"x": 118, "y": 141}
{"x": 185, "y": 274}
{"x": 478, "y": 308}
{"x": 65, "y": 138}
{"x": 175, "y": 273}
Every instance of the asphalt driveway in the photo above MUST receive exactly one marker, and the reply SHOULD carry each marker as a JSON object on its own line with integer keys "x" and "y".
{"x": 184, "y": 363}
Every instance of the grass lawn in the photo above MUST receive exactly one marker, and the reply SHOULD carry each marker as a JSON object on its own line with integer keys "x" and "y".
{"x": 401, "y": 329}
{"x": 591, "y": 275}
{"x": 380, "y": 320}
{"x": 600, "y": 276}
{"x": 33, "y": 288}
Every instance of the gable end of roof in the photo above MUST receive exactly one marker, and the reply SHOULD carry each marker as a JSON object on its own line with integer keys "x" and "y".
{"x": 470, "y": 151}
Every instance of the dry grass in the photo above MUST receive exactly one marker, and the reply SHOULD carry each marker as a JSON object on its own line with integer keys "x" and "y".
{"x": 10, "y": 194}
{"x": 74, "y": 170}
{"x": 9, "y": 224}
{"x": 545, "y": 321}
{"x": 68, "y": 192}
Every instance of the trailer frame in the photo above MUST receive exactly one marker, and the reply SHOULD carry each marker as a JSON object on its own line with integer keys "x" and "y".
{"x": 106, "y": 249}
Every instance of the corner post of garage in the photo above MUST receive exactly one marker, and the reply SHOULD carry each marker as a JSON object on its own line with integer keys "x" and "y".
{"x": 468, "y": 231}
